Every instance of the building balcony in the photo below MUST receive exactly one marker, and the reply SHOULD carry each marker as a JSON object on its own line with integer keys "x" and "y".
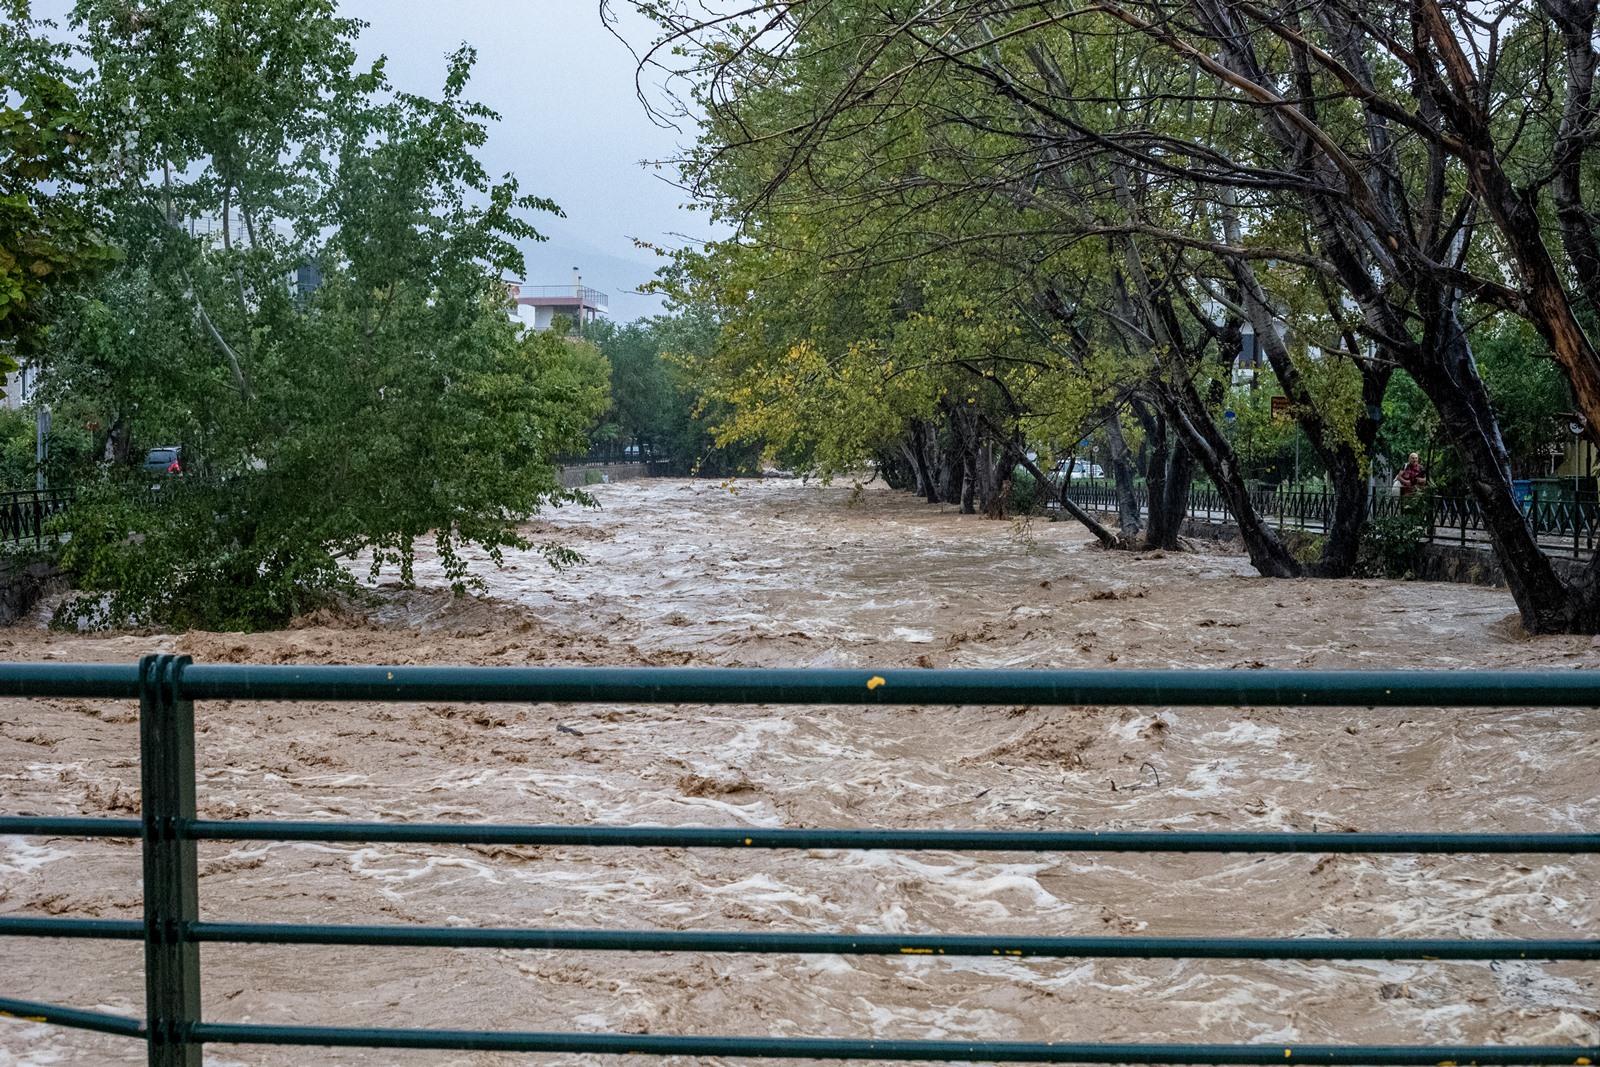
{"x": 560, "y": 296}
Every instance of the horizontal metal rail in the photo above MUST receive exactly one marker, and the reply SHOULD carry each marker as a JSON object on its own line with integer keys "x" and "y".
{"x": 1238, "y": 948}
{"x": 735, "y": 685}
{"x": 867, "y": 1049}
{"x": 70, "y": 826}
{"x": 170, "y": 831}
{"x": 1565, "y": 519}
{"x": 98, "y": 929}
{"x": 106, "y": 680}
{"x": 394, "y": 936}
{"x": 1243, "y": 841}
{"x": 738, "y": 685}
{"x": 1264, "y": 841}
{"x": 99, "y": 1021}
{"x": 1279, "y": 948}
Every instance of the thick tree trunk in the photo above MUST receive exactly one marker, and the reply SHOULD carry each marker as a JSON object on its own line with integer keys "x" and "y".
{"x": 949, "y": 448}
{"x": 969, "y": 482}
{"x": 1347, "y": 521}
{"x": 1122, "y": 471}
{"x": 1168, "y": 469}
{"x": 1169, "y": 496}
{"x": 1343, "y": 462}
{"x": 992, "y": 483}
{"x": 913, "y": 464}
{"x": 926, "y": 484}
{"x": 1351, "y": 504}
{"x": 1200, "y": 436}
{"x": 1448, "y": 374}
{"x": 119, "y": 442}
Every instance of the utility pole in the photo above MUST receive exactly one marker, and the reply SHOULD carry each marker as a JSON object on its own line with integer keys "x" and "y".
{"x": 42, "y": 424}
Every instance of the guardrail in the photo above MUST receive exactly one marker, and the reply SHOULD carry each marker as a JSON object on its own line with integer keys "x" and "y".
{"x": 582, "y": 294}
{"x": 175, "y": 1031}
{"x": 1566, "y": 524}
{"x": 23, "y": 513}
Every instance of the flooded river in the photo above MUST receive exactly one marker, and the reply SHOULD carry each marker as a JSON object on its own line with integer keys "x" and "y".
{"x": 781, "y": 573}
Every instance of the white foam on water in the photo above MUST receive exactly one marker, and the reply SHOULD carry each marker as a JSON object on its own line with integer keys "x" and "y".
{"x": 25, "y": 855}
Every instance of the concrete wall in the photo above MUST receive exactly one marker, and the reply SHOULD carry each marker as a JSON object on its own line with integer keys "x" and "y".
{"x": 577, "y": 475}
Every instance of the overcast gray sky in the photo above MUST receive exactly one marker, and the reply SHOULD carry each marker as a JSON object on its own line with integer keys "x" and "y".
{"x": 571, "y": 127}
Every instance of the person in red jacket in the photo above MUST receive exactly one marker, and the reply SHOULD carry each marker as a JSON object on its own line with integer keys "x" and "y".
{"x": 1412, "y": 476}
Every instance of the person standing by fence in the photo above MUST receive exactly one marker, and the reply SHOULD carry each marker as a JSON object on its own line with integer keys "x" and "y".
{"x": 1412, "y": 476}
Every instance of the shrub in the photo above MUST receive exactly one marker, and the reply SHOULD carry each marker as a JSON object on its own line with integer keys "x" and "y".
{"x": 1391, "y": 546}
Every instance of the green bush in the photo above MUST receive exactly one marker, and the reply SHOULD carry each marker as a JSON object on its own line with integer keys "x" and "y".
{"x": 1025, "y": 496}
{"x": 1391, "y": 545}
{"x": 189, "y": 554}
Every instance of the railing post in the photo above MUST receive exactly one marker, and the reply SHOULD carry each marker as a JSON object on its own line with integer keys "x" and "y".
{"x": 171, "y": 880}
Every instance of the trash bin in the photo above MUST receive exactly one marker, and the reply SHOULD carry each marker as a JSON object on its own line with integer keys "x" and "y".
{"x": 1556, "y": 490}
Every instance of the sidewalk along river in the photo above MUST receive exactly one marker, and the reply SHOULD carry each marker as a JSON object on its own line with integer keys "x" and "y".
{"x": 781, "y": 573}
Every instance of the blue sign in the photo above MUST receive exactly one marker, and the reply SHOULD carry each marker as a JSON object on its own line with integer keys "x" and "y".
{"x": 1229, "y": 415}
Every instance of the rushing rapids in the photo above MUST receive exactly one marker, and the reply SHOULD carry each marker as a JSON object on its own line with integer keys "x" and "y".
{"x": 781, "y": 573}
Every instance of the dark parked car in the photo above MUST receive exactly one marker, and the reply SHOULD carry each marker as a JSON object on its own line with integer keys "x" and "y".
{"x": 164, "y": 460}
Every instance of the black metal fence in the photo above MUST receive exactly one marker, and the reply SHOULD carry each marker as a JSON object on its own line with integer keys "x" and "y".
{"x": 24, "y": 513}
{"x": 1565, "y": 522}
{"x": 175, "y": 1030}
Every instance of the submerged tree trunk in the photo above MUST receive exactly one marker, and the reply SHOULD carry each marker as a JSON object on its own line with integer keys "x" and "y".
{"x": 1341, "y": 458}
{"x": 1168, "y": 468}
{"x": 1200, "y": 435}
{"x": 948, "y": 447}
{"x": 992, "y": 483}
{"x": 969, "y": 482}
{"x": 926, "y": 484}
{"x": 1170, "y": 508}
{"x": 1122, "y": 470}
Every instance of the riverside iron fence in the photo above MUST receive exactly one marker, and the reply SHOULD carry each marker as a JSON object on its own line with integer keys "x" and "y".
{"x": 24, "y": 513}
{"x": 1566, "y": 522}
{"x": 172, "y": 932}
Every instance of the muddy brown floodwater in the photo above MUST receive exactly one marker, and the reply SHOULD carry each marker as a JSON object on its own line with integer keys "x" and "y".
{"x": 781, "y": 573}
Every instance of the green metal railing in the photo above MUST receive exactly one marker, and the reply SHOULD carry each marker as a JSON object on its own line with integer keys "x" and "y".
{"x": 172, "y": 932}
{"x": 1564, "y": 525}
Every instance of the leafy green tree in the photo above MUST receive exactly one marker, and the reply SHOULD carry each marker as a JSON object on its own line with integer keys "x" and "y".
{"x": 642, "y": 399}
{"x": 1531, "y": 397}
{"x": 393, "y": 401}
{"x": 1368, "y": 175}
{"x": 657, "y": 398}
{"x": 48, "y": 236}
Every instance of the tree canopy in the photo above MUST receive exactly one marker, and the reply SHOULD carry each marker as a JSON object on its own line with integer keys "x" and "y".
{"x": 309, "y": 303}
{"x": 1361, "y": 188}
{"x": 48, "y": 232}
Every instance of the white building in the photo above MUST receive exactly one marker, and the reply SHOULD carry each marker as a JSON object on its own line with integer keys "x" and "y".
{"x": 537, "y": 305}
{"x": 20, "y": 385}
